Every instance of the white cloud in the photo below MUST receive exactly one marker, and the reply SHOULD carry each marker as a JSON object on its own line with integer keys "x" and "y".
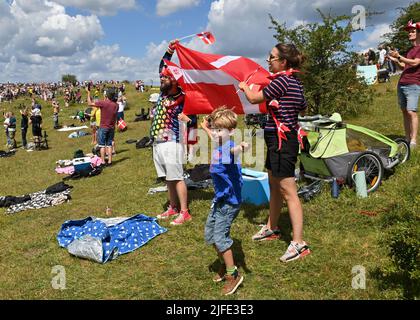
{"x": 375, "y": 36}
{"x": 242, "y": 27}
{"x": 8, "y": 25}
{"x": 100, "y": 7}
{"x": 47, "y": 31}
{"x": 167, "y": 7}
{"x": 40, "y": 41}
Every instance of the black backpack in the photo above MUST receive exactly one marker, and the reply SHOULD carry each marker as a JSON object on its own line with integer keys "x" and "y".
{"x": 143, "y": 143}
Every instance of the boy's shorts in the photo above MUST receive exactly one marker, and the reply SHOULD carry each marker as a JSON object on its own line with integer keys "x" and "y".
{"x": 218, "y": 225}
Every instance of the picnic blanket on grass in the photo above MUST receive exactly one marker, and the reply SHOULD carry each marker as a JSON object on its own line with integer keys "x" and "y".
{"x": 72, "y": 128}
{"x": 103, "y": 240}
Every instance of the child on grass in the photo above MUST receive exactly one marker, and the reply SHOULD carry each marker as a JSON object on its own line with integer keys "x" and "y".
{"x": 225, "y": 170}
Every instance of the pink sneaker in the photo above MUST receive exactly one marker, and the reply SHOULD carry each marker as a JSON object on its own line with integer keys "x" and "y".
{"x": 171, "y": 211}
{"x": 183, "y": 217}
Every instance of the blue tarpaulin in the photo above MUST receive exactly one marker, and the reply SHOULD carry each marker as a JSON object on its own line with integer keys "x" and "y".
{"x": 102, "y": 240}
{"x": 368, "y": 73}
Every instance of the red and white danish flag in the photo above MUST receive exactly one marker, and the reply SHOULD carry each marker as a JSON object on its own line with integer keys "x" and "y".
{"x": 211, "y": 81}
{"x": 207, "y": 37}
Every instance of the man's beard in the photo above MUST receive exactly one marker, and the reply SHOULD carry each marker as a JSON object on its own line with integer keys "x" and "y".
{"x": 165, "y": 87}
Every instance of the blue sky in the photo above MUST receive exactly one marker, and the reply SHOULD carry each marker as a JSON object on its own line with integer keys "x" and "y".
{"x": 124, "y": 39}
{"x": 135, "y": 29}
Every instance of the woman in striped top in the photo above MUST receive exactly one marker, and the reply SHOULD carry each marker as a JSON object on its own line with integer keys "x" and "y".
{"x": 285, "y": 100}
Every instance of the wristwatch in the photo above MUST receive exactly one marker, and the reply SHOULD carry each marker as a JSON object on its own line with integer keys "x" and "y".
{"x": 399, "y": 58}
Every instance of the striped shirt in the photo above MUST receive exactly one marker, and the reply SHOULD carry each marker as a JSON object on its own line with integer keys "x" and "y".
{"x": 288, "y": 91}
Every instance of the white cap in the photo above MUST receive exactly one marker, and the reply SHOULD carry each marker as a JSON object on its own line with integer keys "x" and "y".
{"x": 154, "y": 97}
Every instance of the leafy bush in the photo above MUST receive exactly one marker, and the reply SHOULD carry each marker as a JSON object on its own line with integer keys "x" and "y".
{"x": 69, "y": 78}
{"x": 397, "y": 38}
{"x": 329, "y": 72}
{"x": 402, "y": 239}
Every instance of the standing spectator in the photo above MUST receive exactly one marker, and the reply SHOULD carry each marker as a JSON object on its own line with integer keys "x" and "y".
{"x": 95, "y": 120}
{"x": 6, "y": 123}
{"x": 36, "y": 105}
{"x": 12, "y": 130}
{"x": 106, "y": 129}
{"x": 382, "y": 54}
{"x": 371, "y": 57}
{"x": 121, "y": 106}
{"x": 36, "y": 121}
{"x": 67, "y": 97}
{"x": 167, "y": 151}
{"x": 285, "y": 100}
{"x": 78, "y": 96}
{"x": 56, "y": 110}
{"x": 409, "y": 84}
{"x": 24, "y": 125}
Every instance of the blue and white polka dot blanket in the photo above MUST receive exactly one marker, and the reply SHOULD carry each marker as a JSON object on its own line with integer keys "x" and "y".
{"x": 102, "y": 240}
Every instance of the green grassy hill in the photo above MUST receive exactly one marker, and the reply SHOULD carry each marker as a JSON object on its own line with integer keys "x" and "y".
{"x": 176, "y": 264}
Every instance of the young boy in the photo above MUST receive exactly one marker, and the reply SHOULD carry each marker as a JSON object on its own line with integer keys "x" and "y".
{"x": 226, "y": 173}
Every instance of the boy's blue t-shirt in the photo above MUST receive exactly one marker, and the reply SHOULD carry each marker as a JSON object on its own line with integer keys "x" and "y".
{"x": 226, "y": 175}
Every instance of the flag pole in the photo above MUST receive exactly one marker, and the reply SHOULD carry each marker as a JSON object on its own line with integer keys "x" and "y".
{"x": 186, "y": 37}
{"x": 249, "y": 78}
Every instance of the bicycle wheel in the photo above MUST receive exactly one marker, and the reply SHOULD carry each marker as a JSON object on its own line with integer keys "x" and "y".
{"x": 372, "y": 165}
{"x": 403, "y": 150}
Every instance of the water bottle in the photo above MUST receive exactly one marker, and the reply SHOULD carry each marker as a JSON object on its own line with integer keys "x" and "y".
{"x": 335, "y": 189}
{"x": 359, "y": 179}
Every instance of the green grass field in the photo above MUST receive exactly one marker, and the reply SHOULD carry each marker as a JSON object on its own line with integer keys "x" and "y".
{"x": 176, "y": 264}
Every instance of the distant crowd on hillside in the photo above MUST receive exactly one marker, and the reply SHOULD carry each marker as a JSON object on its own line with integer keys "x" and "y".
{"x": 72, "y": 92}
{"x": 379, "y": 58}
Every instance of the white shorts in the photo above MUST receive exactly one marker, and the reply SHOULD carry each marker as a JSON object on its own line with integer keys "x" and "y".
{"x": 168, "y": 158}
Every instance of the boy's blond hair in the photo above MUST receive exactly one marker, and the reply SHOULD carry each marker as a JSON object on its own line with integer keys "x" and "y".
{"x": 224, "y": 118}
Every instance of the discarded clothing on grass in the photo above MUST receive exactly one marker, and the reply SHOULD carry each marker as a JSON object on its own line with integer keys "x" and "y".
{"x": 200, "y": 172}
{"x": 52, "y": 196}
{"x": 6, "y": 154}
{"x": 12, "y": 200}
{"x": 144, "y": 143}
{"x": 191, "y": 185}
{"x": 84, "y": 173}
{"x": 103, "y": 240}
{"x": 78, "y": 134}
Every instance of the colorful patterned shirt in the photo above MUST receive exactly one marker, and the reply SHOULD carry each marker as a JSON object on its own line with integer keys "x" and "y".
{"x": 165, "y": 125}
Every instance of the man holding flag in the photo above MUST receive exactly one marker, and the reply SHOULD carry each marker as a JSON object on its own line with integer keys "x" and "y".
{"x": 167, "y": 150}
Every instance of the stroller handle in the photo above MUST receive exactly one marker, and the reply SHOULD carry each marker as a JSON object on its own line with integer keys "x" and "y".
{"x": 310, "y": 118}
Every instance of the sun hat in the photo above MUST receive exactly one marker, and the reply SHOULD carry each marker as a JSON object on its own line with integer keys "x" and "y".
{"x": 412, "y": 25}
